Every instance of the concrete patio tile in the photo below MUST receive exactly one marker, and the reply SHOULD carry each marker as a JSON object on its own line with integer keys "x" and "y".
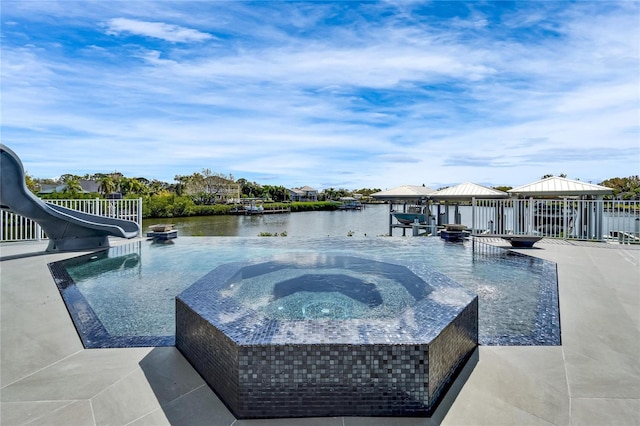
{"x": 163, "y": 377}
{"x": 608, "y": 327}
{"x": 34, "y": 319}
{"x": 47, "y": 413}
{"x": 47, "y": 378}
{"x": 387, "y": 421}
{"x": 601, "y": 340}
{"x": 200, "y": 407}
{"x": 19, "y": 413}
{"x": 80, "y": 376}
{"x": 77, "y": 414}
{"x": 155, "y": 418}
{"x": 489, "y": 411}
{"x": 602, "y": 359}
{"x": 602, "y": 373}
{"x": 34, "y": 346}
{"x": 125, "y": 401}
{"x": 514, "y": 385}
{"x": 605, "y": 411}
{"x": 600, "y": 313}
{"x": 169, "y": 374}
{"x": 306, "y": 421}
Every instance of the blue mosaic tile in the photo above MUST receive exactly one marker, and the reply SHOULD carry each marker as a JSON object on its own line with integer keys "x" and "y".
{"x": 88, "y": 325}
{"x": 399, "y": 363}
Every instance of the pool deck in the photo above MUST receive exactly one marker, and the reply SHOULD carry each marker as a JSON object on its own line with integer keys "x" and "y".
{"x": 48, "y": 378}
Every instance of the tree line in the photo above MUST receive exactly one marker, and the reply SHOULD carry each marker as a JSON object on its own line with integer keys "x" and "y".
{"x": 199, "y": 194}
{"x": 204, "y": 187}
{"x": 207, "y": 192}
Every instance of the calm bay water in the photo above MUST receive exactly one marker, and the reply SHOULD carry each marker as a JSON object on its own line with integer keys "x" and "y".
{"x": 373, "y": 220}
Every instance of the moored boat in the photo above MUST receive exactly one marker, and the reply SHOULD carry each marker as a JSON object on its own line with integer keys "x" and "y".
{"x": 411, "y": 216}
{"x": 349, "y": 203}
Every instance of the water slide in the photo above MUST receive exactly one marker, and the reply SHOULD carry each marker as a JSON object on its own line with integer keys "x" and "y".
{"x": 67, "y": 230}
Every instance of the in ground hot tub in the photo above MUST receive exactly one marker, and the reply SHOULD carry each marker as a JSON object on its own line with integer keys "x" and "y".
{"x": 326, "y": 335}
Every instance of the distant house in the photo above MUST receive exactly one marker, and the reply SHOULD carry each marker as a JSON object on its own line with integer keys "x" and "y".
{"x": 88, "y": 187}
{"x": 213, "y": 189}
{"x": 306, "y": 193}
{"x": 46, "y": 188}
{"x": 227, "y": 191}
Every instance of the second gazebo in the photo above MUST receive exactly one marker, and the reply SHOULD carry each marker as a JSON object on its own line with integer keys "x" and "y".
{"x": 454, "y": 195}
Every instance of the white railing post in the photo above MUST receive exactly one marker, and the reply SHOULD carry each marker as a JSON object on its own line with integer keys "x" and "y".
{"x": 599, "y": 217}
{"x": 473, "y": 215}
{"x": 565, "y": 219}
{"x": 531, "y": 209}
{"x": 140, "y": 215}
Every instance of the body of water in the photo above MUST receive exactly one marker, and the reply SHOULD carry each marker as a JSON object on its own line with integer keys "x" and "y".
{"x": 373, "y": 221}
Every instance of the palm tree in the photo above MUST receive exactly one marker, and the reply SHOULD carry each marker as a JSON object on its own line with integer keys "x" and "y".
{"x": 124, "y": 184}
{"x": 136, "y": 187}
{"x": 107, "y": 185}
{"x": 73, "y": 185}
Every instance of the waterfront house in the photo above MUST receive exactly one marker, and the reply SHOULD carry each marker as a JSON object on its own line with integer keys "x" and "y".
{"x": 213, "y": 189}
{"x": 88, "y": 187}
{"x": 306, "y": 193}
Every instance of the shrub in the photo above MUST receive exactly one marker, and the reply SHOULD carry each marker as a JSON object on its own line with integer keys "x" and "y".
{"x": 70, "y": 195}
{"x": 302, "y": 206}
{"x": 171, "y": 205}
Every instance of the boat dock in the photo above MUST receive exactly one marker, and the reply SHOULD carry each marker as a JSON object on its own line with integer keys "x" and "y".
{"x": 251, "y": 206}
{"x": 276, "y": 211}
{"x": 417, "y": 229}
{"x": 241, "y": 211}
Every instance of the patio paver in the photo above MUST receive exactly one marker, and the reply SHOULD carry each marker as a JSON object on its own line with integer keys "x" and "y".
{"x": 592, "y": 379}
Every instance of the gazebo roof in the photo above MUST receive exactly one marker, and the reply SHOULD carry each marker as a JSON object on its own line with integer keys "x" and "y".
{"x": 558, "y": 186}
{"x": 404, "y": 192}
{"x": 467, "y": 191}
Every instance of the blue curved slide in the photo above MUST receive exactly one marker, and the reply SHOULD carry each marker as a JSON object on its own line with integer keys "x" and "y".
{"x": 67, "y": 230}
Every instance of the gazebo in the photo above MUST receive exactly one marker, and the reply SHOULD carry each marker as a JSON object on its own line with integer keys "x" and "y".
{"x": 566, "y": 215}
{"x": 464, "y": 192}
{"x": 555, "y": 186}
{"x": 404, "y": 193}
{"x": 413, "y": 198}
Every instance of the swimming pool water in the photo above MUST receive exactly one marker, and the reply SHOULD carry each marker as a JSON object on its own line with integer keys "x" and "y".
{"x": 125, "y": 296}
{"x": 319, "y": 286}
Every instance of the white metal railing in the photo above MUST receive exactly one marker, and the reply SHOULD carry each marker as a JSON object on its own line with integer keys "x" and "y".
{"x": 622, "y": 221}
{"x": 14, "y": 227}
{"x": 18, "y": 228}
{"x": 565, "y": 218}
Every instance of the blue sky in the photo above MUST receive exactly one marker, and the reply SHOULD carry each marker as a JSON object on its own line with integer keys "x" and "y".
{"x": 326, "y": 94}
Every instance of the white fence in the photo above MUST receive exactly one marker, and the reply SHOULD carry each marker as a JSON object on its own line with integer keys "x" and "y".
{"x": 567, "y": 218}
{"x": 18, "y": 228}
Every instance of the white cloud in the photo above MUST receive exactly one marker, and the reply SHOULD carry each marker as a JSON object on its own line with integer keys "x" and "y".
{"x": 168, "y": 32}
{"x": 286, "y": 93}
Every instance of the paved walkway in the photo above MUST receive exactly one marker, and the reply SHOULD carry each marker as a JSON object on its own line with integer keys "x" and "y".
{"x": 47, "y": 378}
